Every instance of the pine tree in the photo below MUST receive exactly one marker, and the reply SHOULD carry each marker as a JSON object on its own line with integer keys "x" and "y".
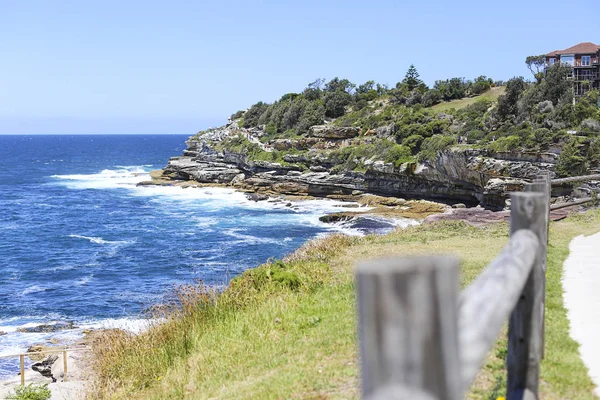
{"x": 411, "y": 79}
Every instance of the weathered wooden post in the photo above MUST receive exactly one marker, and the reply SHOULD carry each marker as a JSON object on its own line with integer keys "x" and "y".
{"x": 64, "y": 366}
{"x": 408, "y": 327}
{"x": 22, "y": 365}
{"x": 542, "y": 184}
{"x": 525, "y": 329}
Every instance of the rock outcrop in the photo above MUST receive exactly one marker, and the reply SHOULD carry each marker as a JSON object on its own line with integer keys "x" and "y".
{"x": 456, "y": 175}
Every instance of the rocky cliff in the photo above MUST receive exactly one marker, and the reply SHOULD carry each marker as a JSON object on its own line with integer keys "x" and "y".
{"x": 306, "y": 167}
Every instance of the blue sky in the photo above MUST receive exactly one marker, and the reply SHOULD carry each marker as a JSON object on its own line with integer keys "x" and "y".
{"x": 181, "y": 66}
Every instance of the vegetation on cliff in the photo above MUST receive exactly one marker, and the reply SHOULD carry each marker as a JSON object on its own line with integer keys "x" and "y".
{"x": 417, "y": 121}
{"x": 287, "y": 329}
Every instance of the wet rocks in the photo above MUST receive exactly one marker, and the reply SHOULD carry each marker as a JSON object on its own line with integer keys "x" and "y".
{"x": 338, "y": 217}
{"x": 257, "y": 196}
{"x": 44, "y": 367}
{"x": 44, "y": 328}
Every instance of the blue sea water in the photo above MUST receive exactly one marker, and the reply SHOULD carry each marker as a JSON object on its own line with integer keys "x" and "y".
{"x": 80, "y": 242}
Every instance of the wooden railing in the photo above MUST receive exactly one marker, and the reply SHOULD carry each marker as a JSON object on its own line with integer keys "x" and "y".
{"x": 421, "y": 339}
{"x": 64, "y": 352}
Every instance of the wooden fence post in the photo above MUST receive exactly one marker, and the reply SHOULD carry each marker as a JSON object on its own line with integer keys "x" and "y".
{"x": 525, "y": 328}
{"x": 408, "y": 326}
{"x": 542, "y": 184}
{"x": 22, "y": 365}
{"x": 64, "y": 366}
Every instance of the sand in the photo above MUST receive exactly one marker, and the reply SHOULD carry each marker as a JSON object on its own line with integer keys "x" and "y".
{"x": 581, "y": 285}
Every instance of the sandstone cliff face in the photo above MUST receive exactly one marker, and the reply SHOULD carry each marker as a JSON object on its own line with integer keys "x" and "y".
{"x": 456, "y": 175}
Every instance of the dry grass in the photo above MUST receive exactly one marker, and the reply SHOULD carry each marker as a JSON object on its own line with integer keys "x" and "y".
{"x": 491, "y": 95}
{"x": 287, "y": 329}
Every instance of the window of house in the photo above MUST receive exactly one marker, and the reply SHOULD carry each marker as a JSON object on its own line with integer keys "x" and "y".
{"x": 586, "y": 60}
{"x": 570, "y": 60}
{"x": 551, "y": 61}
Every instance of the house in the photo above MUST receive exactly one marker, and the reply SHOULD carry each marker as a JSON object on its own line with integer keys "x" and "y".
{"x": 585, "y": 60}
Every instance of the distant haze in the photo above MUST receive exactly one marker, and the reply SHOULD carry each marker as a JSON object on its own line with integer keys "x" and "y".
{"x": 182, "y": 66}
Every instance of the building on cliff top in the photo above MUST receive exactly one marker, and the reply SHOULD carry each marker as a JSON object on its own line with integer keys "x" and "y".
{"x": 585, "y": 60}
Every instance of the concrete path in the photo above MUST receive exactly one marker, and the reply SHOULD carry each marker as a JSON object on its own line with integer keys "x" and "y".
{"x": 581, "y": 285}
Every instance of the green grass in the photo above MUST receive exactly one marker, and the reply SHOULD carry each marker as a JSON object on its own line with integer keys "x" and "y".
{"x": 268, "y": 338}
{"x": 491, "y": 94}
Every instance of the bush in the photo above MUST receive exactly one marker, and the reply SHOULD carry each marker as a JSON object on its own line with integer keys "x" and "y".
{"x": 506, "y": 143}
{"x": 545, "y": 107}
{"x": 336, "y": 102}
{"x": 431, "y": 97}
{"x": 455, "y": 88}
{"x": 590, "y": 124}
{"x": 30, "y": 392}
{"x": 481, "y": 85}
{"x": 474, "y": 136}
{"x": 253, "y": 114}
{"x": 571, "y": 161}
{"x": 237, "y": 115}
{"x": 542, "y": 138}
{"x": 433, "y": 145}
{"x": 413, "y": 142}
{"x": 398, "y": 155}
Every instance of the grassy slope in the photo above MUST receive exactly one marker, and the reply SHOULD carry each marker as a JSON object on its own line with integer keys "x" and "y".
{"x": 263, "y": 340}
{"x": 491, "y": 94}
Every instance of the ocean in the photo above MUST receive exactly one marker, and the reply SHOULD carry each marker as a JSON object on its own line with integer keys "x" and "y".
{"x": 81, "y": 243}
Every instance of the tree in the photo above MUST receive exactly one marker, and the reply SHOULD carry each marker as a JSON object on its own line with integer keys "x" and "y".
{"x": 535, "y": 64}
{"x": 339, "y": 85}
{"x": 455, "y": 88}
{"x": 431, "y": 97}
{"x": 336, "y": 102}
{"x": 253, "y": 114}
{"x": 411, "y": 79}
{"x": 571, "y": 161}
{"x": 314, "y": 113}
{"x": 508, "y": 102}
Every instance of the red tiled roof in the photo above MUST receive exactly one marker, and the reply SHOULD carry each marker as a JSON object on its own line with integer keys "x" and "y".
{"x": 581, "y": 48}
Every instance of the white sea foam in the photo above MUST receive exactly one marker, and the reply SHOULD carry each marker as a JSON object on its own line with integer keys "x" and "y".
{"x": 33, "y": 289}
{"x": 99, "y": 240}
{"x": 127, "y": 176}
{"x": 84, "y": 281}
{"x": 134, "y": 325}
{"x": 249, "y": 239}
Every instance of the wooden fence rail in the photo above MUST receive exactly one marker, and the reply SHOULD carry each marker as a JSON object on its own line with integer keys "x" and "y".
{"x": 422, "y": 339}
{"x": 575, "y": 179}
{"x": 36, "y": 353}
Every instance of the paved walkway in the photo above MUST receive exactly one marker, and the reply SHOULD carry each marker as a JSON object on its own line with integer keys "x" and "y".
{"x": 581, "y": 284}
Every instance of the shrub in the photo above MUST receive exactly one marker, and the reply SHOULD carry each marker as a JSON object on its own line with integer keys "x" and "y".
{"x": 336, "y": 102}
{"x": 455, "y": 88}
{"x": 545, "y": 107}
{"x": 253, "y": 114}
{"x": 433, "y": 145}
{"x": 30, "y": 392}
{"x": 413, "y": 142}
{"x": 431, "y": 97}
{"x": 474, "y": 136}
{"x": 542, "y": 138}
{"x": 591, "y": 124}
{"x": 571, "y": 161}
{"x": 237, "y": 115}
{"x": 482, "y": 84}
{"x": 506, "y": 143}
{"x": 594, "y": 152}
{"x": 398, "y": 155}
